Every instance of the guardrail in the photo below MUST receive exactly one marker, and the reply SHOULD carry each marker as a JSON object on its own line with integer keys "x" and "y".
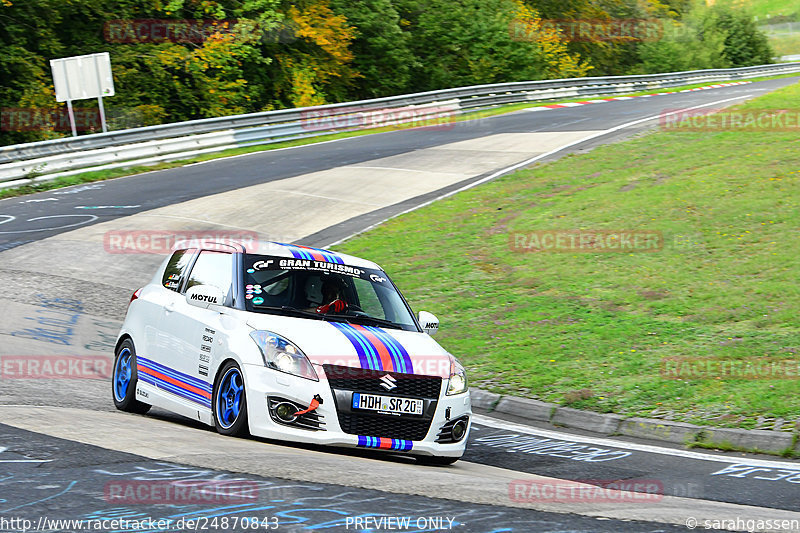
{"x": 45, "y": 160}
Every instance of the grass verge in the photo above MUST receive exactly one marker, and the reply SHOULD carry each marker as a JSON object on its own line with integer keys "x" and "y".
{"x": 593, "y": 331}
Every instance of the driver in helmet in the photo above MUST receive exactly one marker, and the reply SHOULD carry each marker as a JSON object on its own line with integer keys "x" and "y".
{"x": 333, "y": 296}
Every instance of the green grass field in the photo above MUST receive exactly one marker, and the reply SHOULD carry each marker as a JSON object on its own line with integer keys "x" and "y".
{"x": 763, "y": 8}
{"x": 786, "y": 44}
{"x": 592, "y": 330}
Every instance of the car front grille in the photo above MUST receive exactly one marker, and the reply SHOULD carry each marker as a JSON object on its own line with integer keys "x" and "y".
{"x": 344, "y": 381}
{"x": 391, "y": 427}
{"x": 366, "y": 380}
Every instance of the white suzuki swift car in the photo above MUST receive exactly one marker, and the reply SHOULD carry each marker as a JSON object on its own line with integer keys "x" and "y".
{"x": 291, "y": 343}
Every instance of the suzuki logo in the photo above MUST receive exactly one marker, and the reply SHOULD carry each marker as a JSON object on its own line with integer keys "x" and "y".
{"x": 388, "y": 382}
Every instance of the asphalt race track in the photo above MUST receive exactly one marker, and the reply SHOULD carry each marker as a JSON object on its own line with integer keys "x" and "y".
{"x": 64, "y": 450}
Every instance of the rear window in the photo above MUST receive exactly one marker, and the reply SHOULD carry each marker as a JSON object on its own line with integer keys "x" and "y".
{"x": 176, "y": 269}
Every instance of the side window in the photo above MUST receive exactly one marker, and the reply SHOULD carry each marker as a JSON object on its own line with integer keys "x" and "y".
{"x": 176, "y": 269}
{"x": 213, "y": 268}
{"x": 368, "y": 299}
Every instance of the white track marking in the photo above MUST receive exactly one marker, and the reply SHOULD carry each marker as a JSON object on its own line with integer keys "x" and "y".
{"x": 92, "y": 218}
{"x": 107, "y": 206}
{"x": 37, "y": 200}
{"x": 8, "y": 218}
{"x": 623, "y": 445}
{"x": 3, "y": 449}
{"x": 533, "y": 160}
{"x": 398, "y": 169}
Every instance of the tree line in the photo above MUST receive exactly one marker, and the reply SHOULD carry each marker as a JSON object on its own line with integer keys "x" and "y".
{"x": 177, "y": 60}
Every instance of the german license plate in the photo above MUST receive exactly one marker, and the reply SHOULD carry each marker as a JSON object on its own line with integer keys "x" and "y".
{"x": 389, "y": 404}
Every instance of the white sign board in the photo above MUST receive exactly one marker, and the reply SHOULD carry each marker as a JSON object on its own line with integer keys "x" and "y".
{"x": 82, "y": 77}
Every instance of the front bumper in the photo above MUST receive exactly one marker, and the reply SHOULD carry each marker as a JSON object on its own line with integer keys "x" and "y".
{"x": 264, "y": 385}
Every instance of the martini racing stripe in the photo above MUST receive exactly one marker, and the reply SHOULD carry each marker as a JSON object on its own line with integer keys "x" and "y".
{"x": 313, "y": 254}
{"x": 173, "y": 381}
{"x": 376, "y": 349}
{"x": 384, "y": 443}
{"x": 400, "y": 355}
{"x": 195, "y": 382}
{"x": 176, "y": 390}
{"x": 365, "y": 354}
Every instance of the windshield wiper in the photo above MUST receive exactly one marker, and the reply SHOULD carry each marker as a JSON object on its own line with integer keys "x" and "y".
{"x": 287, "y": 309}
{"x": 374, "y": 320}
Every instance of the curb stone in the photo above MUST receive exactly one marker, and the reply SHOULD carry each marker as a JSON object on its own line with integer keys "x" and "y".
{"x": 760, "y": 439}
{"x": 648, "y": 428}
{"x": 484, "y": 399}
{"x": 525, "y": 408}
{"x": 764, "y": 441}
{"x": 606, "y": 424}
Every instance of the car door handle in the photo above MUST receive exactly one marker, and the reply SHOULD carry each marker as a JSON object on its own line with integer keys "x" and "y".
{"x": 170, "y": 307}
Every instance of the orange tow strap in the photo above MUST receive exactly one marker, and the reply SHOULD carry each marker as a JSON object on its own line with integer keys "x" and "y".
{"x": 313, "y": 405}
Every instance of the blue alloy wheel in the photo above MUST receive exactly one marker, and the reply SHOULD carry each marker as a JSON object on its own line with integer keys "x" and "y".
{"x": 122, "y": 374}
{"x": 230, "y": 401}
{"x": 124, "y": 379}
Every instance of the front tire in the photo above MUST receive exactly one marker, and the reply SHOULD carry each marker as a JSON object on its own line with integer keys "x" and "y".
{"x": 124, "y": 378}
{"x": 229, "y": 401}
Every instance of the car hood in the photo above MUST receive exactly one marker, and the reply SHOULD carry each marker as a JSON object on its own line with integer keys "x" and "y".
{"x": 360, "y": 346}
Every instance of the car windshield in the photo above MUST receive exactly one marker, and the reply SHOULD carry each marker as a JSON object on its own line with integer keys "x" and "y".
{"x": 325, "y": 291}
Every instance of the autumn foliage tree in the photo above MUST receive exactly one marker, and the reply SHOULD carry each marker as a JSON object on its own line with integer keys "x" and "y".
{"x": 256, "y": 55}
{"x": 314, "y": 68}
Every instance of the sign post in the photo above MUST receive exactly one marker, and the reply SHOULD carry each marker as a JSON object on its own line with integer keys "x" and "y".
{"x": 81, "y": 78}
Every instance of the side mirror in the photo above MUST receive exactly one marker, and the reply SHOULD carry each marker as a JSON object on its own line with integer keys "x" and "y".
{"x": 204, "y": 296}
{"x": 429, "y": 322}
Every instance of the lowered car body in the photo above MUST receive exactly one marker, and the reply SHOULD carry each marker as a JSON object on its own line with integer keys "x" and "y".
{"x": 293, "y": 343}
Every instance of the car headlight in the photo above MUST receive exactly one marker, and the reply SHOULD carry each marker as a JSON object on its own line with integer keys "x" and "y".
{"x": 280, "y": 354}
{"x": 458, "y": 379}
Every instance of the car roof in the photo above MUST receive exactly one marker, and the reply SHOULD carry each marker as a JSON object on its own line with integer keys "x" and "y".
{"x": 294, "y": 251}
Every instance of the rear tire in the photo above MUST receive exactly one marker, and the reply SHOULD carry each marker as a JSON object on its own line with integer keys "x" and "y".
{"x": 124, "y": 378}
{"x": 229, "y": 401}
{"x": 431, "y": 460}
